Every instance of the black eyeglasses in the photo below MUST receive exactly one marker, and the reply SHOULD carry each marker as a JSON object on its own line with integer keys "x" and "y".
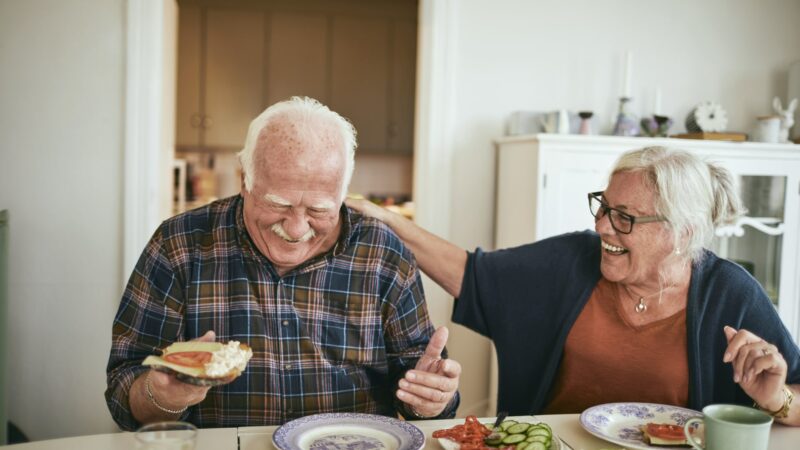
{"x": 620, "y": 221}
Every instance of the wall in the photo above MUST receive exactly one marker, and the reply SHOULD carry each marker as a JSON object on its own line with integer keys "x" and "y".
{"x": 61, "y": 139}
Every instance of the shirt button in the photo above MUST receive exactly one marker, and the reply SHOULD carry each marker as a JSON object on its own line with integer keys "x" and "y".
{"x": 285, "y": 323}
{"x": 287, "y": 366}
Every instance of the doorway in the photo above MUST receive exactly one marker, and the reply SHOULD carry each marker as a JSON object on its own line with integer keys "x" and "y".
{"x": 150, "y": 146}
{"x": 235, "y": 58}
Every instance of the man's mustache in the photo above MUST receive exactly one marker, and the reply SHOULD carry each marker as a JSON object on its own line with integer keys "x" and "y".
{"x": 277, "y": 228}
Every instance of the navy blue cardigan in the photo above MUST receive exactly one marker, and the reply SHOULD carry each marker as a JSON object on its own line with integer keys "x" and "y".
{"x": 527, "y": 298}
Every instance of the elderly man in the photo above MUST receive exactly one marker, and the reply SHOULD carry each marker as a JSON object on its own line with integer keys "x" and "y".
{"x": 330, "y": 301}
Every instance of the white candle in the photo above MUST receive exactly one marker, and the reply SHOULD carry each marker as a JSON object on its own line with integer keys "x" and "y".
{"x": 657, "y": 102}
{"x": 626, "y": 71}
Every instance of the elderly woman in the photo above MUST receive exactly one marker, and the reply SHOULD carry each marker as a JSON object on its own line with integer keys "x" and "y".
{"x": 638, "y": 310}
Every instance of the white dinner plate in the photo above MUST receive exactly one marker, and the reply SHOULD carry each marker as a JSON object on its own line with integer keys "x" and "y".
{"x": 621, "y": 423}
{"x": 346, "y": 431}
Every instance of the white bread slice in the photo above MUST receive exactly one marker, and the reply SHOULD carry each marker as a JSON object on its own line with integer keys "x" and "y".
{"x": 663, "y": 441}
{"x": 192, "y": 374}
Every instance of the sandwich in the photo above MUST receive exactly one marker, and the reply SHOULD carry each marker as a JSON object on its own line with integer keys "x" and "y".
{"x": 203, "y": 363}
{"x": 664, "y": 435}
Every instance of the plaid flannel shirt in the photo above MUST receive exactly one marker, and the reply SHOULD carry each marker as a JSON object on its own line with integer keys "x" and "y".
{"x": 334, "y": 334}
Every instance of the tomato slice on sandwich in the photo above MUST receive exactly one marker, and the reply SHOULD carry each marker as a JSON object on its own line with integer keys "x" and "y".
{"x": 189, "y": 359}
{"x": 664, "y": 434}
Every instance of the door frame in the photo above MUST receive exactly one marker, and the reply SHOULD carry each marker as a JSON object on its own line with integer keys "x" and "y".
{"x": 149, "y": 141}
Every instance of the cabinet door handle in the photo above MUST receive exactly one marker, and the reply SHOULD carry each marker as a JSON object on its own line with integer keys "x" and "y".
{"x": 195, "y": 120}
{"x": 207, "y": 122}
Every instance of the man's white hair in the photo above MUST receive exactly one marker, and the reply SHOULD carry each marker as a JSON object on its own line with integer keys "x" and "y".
{"x": 306, "y": 111}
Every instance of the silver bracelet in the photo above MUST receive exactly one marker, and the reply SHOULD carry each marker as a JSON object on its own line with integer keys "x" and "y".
{"x": 153, "y": 399}
{"x": 414, "y": 414}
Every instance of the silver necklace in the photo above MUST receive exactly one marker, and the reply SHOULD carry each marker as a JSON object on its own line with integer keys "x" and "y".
{"x": 641, "y": 306}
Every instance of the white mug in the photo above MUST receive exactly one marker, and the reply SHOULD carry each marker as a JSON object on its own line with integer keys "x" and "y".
{"x": 769, "y": 128}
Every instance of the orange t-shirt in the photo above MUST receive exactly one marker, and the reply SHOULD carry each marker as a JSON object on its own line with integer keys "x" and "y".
{"x": 606, "y": 359}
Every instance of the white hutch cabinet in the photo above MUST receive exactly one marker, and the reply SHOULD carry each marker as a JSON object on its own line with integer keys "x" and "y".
{"x": 543, "y": 179}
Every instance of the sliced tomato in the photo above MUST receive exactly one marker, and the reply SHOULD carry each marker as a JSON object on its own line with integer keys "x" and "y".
{"x": 469, "y": 436}
{"x": 665, "y": 431}
{"x": 189, "y": 359}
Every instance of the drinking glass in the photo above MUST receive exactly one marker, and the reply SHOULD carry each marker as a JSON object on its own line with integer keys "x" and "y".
{"x": 166, "y": 436}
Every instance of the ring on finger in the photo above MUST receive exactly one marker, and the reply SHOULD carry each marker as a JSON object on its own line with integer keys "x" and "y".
{"x": 765, "y": 351}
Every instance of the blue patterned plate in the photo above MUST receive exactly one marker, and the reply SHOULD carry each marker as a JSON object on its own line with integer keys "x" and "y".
{"x": 348, "y": 431}
{"x": 621, "y": 423}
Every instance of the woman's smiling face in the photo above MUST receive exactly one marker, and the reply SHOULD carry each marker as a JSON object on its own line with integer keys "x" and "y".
{"x": 635, "y": 258}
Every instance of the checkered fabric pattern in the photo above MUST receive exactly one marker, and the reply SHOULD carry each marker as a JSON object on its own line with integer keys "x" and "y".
{"x": 332, "y": 335}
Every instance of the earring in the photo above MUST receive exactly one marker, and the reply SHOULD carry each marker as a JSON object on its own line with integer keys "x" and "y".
{"x": 677, "y": 251}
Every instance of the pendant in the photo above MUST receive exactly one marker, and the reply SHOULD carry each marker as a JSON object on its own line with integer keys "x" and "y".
{"x": 641, "y": 307}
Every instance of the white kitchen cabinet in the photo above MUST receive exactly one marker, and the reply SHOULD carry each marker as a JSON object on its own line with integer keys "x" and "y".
{"x": 543, "y": 179}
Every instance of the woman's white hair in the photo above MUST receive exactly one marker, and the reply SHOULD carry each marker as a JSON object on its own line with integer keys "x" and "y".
{"x": 695, "y": 196}
{"x": 308, "y": 114}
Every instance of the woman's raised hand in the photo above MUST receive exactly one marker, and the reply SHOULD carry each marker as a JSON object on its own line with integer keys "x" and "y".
{"x": 758, "y": 367}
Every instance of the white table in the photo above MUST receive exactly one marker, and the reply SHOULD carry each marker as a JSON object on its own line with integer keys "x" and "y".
{"x": 565, "y": 426}
{"x": 207, "y": 439}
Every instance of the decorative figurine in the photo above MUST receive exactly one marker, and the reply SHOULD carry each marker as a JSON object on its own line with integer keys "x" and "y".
{"x": 787, "y": 118}
{"x": 626, "y": 123}
{"x": 656, "y": 126}
{"x": 586, "y": 122}
{"x": 707, "y": 117}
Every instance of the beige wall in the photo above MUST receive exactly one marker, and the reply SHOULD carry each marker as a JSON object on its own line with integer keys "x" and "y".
{"x": 61, "y": 125}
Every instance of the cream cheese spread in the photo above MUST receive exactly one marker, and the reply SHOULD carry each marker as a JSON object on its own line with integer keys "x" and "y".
{"x": 230, "y": 356}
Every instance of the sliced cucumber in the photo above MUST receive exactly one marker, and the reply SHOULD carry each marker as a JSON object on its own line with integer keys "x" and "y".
{"x": 545, "y": 426}
{"x": 513, "y": 438}
{"x": 494, "y": 442}
{"x": 516, "y": 435}
{"x": 539, "y": 431}
{"x": 518, "y": 428}
{"x": 498, "y": 440}
{"x": 507, "y": 423}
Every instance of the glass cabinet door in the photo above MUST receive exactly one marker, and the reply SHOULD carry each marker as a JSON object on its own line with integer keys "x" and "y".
{"x": 756, "y": 241}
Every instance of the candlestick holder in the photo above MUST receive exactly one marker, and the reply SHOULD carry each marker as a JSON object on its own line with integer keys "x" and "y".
{"x": 626, "y": 124}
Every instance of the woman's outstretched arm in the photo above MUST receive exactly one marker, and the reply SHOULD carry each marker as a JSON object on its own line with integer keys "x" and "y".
{"x": 441, "y": 260}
